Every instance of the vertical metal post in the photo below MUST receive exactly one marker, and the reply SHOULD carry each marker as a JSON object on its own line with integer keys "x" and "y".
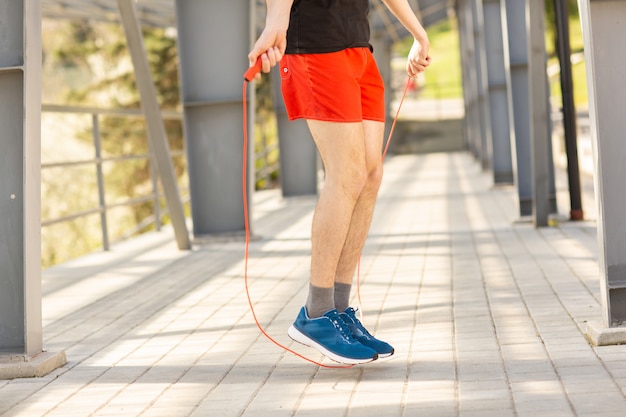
{"x": 569, "y": 109}
{"x": 21, "y": 338}
{"x": 95, "y": 122}
{"x": 470, "y": 84}
{"x": 212, "y": 100}
{"x": 154, "y": 121}
{"x": 604, "y": 32}
{"x": 20, "y": 274}
{"x": 517, "y": 44}
{"x": 480, "y": 61}
{"x": 464, "y": 74}
{"x": 539, "y": 111}
{"x": 13, "y": 199}
{"x": 498, "y": 93}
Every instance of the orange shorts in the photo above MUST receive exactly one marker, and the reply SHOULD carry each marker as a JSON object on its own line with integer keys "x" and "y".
{"x": 343, "y": 86}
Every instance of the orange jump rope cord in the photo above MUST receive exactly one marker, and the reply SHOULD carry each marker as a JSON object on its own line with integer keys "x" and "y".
{"x": 244, "y": 176}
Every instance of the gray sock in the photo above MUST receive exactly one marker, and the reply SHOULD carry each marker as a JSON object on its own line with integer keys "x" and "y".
{"x": 319, "y": 301}
{"x": 342, "y": 296}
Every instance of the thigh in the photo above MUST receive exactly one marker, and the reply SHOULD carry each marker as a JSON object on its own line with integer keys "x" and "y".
{"x": 348, "y": 148}
{"x": 341, "y": 147}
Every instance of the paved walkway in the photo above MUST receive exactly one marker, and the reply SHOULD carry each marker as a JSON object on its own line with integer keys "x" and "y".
{"x": 487, "y": 315}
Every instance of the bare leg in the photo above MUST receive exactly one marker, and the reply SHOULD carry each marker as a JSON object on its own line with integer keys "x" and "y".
{"x": 343, "y": 151}
{"x": 352, "y": 157}
{"x": 364, "y": 208}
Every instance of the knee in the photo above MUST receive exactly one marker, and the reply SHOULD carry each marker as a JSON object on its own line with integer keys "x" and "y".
{"x": 360, "y": 180}
{"x": 373, "y": 179}
{"x": 355, "y": 183}
{"x": 375, "y": 176}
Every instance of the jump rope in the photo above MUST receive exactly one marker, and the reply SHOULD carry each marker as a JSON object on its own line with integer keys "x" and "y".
{"x": 248, "y": 77}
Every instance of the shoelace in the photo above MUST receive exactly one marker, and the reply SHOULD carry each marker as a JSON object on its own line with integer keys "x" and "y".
{"x": 357, "y": 323}
{"x": 341, "y": 326}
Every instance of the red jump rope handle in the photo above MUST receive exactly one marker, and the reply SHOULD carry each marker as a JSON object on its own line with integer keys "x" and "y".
{"x": 253, "y": 70}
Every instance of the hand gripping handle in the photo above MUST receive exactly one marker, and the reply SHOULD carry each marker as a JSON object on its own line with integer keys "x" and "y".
{"x": 253, "y": 70}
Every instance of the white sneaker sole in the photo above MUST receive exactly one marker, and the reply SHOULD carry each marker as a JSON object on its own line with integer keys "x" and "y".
{"x": 296, "y": 335}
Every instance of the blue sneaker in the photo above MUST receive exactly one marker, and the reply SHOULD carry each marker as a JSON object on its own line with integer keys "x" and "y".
{"x": 361, "y": 334}
{"x": 329, "y": 335}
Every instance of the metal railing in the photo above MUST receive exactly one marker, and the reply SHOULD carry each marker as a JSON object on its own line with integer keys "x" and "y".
{"x": 99, "y": 160}
{"x": 266, "y": 165}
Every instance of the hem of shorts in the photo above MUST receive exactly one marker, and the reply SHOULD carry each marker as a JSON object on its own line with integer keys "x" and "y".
{"x": 329, "y": 119}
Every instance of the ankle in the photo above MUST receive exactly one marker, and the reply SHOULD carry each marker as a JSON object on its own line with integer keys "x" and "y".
{"x": 319, "y": 301}
{"x": 342, "y": 296}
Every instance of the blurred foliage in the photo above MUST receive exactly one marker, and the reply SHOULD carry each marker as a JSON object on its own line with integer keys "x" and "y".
{"x": 87, "y": 64}
{"x": 92, "y": 57}
{"x": 443, "y": 79}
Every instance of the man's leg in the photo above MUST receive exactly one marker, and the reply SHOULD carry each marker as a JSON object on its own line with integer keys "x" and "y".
{"x": 363, "y": 211}
{"x": 341, "y": 146}
{"x": 343, "y": 151}
{"x": 357, "y": 233}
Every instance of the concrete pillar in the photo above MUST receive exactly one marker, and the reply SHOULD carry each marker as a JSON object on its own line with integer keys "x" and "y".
{"x": 482, "y": 83}
{"x": 471, "y": 125}
{"x": 498, "y": 92}
{"x": 516, "y": 48}
{"x": 541, "y": 149}
{"x": 21, "y": 340}
{"x": 214, "y": 40}
{"x": 604, "y": 31}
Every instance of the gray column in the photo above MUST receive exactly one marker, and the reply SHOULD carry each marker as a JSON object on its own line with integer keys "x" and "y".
{"x": 604, "y": 33}
{"x": 482, "y": 83}
{"x": 470, "y": 85}
{"x": 518, "y": 68}
{"x": 541, "y": 149}
{"x": 464, "y": 75}
{"x": 214, "y": 41}
{"x": 21, "y": 341}
{"x": 499, "y": 109}
{"x": 298, "y": 154}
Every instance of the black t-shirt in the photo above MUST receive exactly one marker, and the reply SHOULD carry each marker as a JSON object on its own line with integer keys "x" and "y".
{"x": 319, "y": 26}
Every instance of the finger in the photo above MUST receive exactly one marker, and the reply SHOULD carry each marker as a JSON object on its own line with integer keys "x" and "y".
{"x": 251, "y": 59}
{"x": 273, "y": 56}
{"x": 415, "y": 68}
{"x": 282, "y": 45}
{"x": 278, "y": 53}
{"x": 418, "y": 68}
{"x": 266, "y": 64}
{"x": 253, "y": 56}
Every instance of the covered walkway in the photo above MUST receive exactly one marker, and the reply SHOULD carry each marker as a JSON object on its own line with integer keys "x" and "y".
{"x": 487, "y": 314}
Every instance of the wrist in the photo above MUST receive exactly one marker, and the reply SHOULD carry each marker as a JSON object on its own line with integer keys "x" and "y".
{"x": 278, "y": 19}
